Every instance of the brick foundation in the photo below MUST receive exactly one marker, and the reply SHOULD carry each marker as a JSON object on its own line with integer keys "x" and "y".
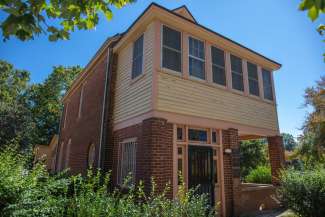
{"x": 276, "y": 155}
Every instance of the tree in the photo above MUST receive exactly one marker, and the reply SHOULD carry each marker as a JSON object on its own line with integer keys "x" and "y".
{"x": 253, "y": 153}
{"x": 314, "y": 8}
{"x": 45, "y": 102}
{"x": 288, "y": 141}
{"x": 28, "y": 18}
{"x": 15, "y": 117}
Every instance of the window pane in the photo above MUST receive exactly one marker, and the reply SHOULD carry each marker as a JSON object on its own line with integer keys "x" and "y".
{"x": 179, "y": 133}
{"x": 252, "y": 71}
{"x": 253, "y": 87}
{"x": 179, "y": 151}
{"x": 197, "y": 135}
{"x": 218, "y": 56}
{"x": 179, "y": 170}
{"x": 196, "y": 68}
{"x": 215, "y": 171}
{"x": 171, "y": 60}
{"x": 237, "y": 81}
{"x": 219, "y": 75}
{"x": 253, "y": 79}
{"x": 127, "y": 162}
{"x": 236, "y": 64}
{"x": 196, "y": 48}
{"x": 267, "y": 84}
{"x": 171, "y": 38}
{"x": 214, "y": 137}
{"x": 137, "y": 57}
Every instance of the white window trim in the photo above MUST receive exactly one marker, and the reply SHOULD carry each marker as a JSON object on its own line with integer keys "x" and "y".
{"x": 173, "y": 49}
{"x": 197, "y": 58}
{"x": 142, "y": 62}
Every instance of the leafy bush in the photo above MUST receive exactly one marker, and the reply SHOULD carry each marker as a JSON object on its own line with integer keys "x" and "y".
{"x": 304, "y": 191}
{"x": 33, "y": 192}
{"x": 262, "y": 175}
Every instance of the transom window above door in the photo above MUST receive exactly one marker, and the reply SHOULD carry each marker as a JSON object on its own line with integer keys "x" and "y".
{"x": 196, "y": 58}
{"x": 197, "y": 135}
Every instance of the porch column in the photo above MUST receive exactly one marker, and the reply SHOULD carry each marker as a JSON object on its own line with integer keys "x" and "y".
{"x": 276, "y": 155}
{"x": 231, "y": 174}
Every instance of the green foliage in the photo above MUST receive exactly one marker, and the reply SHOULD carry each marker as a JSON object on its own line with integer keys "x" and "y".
{"x": 252, "y": 154}
{"x": 304, "y": 192}
{"x": 27, "y": 19}
{"x": 33, "y": 192}
{"x": 262, "y": 175}
{"x": 288, "y": 141}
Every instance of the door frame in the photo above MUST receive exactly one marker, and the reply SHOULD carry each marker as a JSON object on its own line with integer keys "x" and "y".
{"x": 183, "y": 144}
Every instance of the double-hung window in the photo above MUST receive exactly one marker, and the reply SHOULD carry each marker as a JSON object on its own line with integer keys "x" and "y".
{"x": 127, "y": 163}
{"x": 267, "y": 84}
{"x": 237, "y": 73}
{"x": 253, "y": 79}
{"x": 171, "y": 49}
{"x": 218, "y": 66}
{"x": 137, "y": 63}
{"x": 196, "y": 58}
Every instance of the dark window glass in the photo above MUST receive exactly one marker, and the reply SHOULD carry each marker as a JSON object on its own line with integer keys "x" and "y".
{"x": 179, "y": 133}
{"x": 137, "y": 57}
{"x": 179, "y": 150}
{"x": 237, "y": 73}
{"x": 214, "y": 137}
{"x": 267, "y": 84}
{"x": 196, "y": 58}
{"x": 253, "y": 79}
{"x": 197, "y": 135}
{"x": 218, "y": 66}
{"x": 180, "y": 170}
{"x": 171, "y": 50}
{"x": 215, "y": 168}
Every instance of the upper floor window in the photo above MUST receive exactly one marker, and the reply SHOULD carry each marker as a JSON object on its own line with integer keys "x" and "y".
{"x": 137, "y": 64}
{"x": 267, "y": 84}
{"x": 218, "y": 66}
{"x": 237, "y": 73}
{"x": 127, "y": 163}
{"x": 171, "y": 49}
{"x": 196, "y": 58}
{"x": 253, "y": 79}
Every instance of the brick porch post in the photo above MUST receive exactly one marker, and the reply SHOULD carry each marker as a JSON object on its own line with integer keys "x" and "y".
{"x": 276, "y": 154}
{"x": 231, "y": 171}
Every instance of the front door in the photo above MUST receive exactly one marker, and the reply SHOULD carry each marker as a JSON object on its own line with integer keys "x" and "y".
{"x": 200, "y": 170}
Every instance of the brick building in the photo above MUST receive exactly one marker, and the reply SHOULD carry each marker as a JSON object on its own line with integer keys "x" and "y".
{"x": 171, "y": 95}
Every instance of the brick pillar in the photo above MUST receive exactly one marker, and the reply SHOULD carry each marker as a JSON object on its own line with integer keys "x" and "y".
{"x": 276, "y": 155}
{"x": 231, "y": 163}
{"x": 157, "y": 137}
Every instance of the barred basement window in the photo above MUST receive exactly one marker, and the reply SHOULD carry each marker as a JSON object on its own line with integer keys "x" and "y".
{"x": 137, "y": 64}
{"x": 127, "y": 163}
{"x": 267, "y": 84}
{"x": 91, "y": 155}
{"x": 237, "y": 73}
{"x": 196, "y": 58}
{"x": 218, "y": 66}
{"x": 253, "y": 79}
{"x": 171, "y": 49}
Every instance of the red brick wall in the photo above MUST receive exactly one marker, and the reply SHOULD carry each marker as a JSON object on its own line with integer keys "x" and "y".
{"x": 276, "y": 155}
{"x": 85, "y": 130}
{"x": 154, "y": 152}
{"x": 231, "y": 164}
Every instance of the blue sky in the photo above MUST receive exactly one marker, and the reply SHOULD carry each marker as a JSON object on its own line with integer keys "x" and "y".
{"x": 274, "y": 28}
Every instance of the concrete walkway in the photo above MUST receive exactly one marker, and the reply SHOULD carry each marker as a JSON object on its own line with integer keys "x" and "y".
{"x": 272, "y": 213}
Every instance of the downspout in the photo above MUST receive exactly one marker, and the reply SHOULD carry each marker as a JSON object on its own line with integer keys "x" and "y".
{"x": 59, "y": 140}
{"x": 109, "y": 54}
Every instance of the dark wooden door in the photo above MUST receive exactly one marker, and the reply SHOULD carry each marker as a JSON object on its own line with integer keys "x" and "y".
{"x": 200, "y": 170}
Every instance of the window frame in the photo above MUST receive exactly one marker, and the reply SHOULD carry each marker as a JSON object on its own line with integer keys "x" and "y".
{"x": 197, "y": 58}
{"x": 133, "y": 75}
{"x": 255, "y": 80}
{"x": 237, "y": 73}
{"x": 218, "y": 66}
{"x": 120, "y": 179}
{"x": 270, "y": 85}
{"x": 162, "y": 46}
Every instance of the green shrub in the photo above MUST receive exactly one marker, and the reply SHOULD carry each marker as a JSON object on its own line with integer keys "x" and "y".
{"x": 34, "y": 192}
{"x": 304, "y": 192}
{"x": 262, "y": 175}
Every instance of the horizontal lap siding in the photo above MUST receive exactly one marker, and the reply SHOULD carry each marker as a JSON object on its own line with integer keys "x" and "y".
{"x": 134, "y": 97}
{"x": 193, "y": 98}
